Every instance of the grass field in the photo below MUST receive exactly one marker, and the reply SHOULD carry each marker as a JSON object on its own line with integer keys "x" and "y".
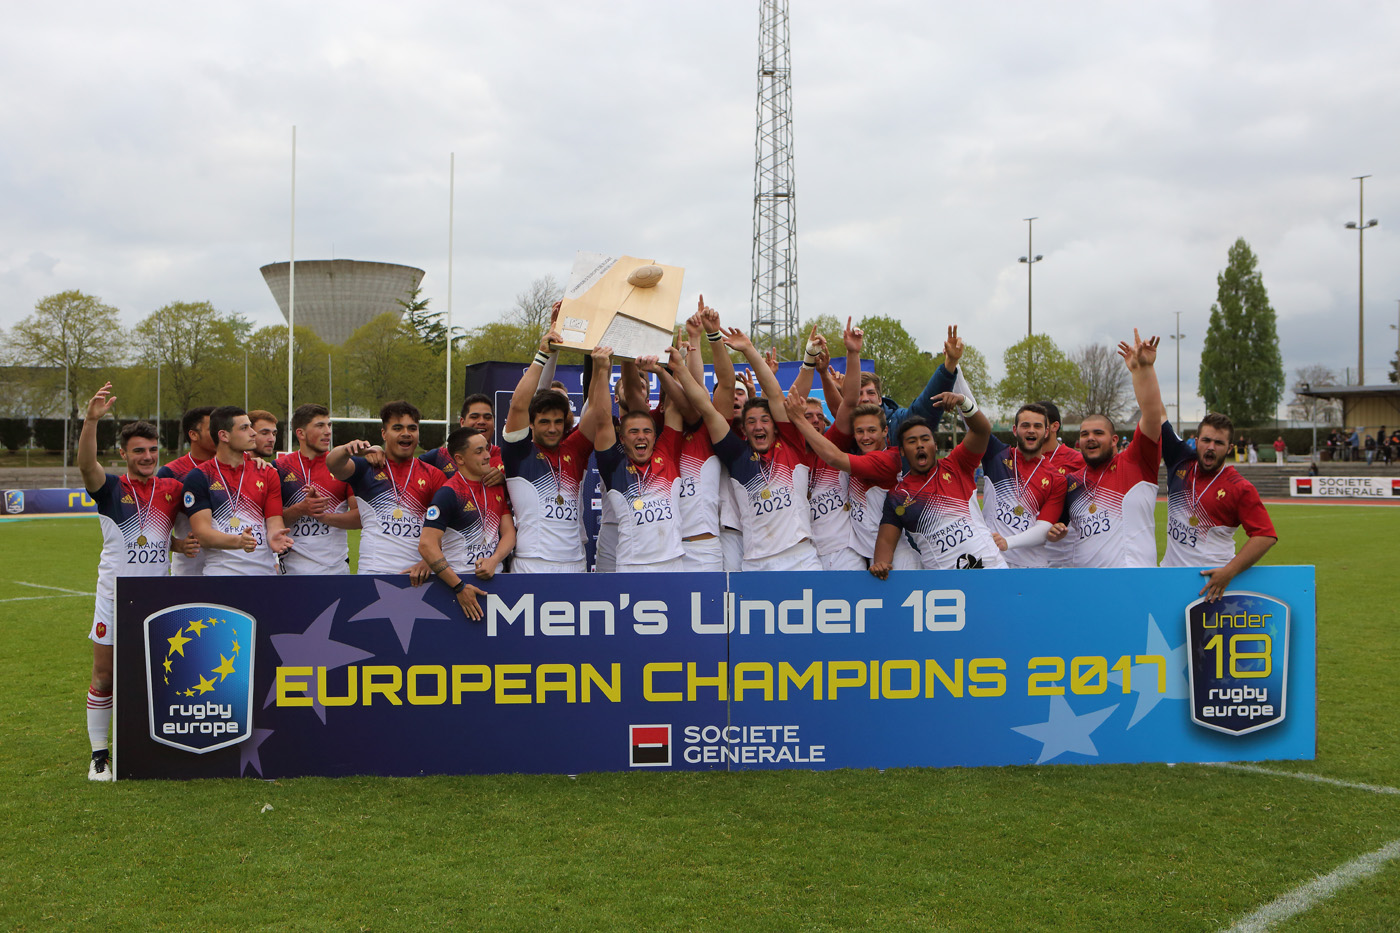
{"x": 1152, "y": 847}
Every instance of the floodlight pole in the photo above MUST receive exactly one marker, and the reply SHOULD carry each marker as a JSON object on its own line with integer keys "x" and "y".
{"x": 1177, "y": 335}
{"x": 292, "y": 292}
{"x": 1030, "y": 259}
{"x": 1361, "y": 225}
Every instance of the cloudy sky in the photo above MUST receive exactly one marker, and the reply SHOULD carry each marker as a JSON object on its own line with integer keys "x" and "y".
{"x": 145, "y": 156}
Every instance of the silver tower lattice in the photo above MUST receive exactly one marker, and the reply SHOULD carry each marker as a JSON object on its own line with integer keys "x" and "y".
{"x": 774, "y": 294}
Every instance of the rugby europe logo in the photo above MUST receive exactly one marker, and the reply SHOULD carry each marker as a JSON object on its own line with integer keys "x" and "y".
{"x": 199, "y": 676}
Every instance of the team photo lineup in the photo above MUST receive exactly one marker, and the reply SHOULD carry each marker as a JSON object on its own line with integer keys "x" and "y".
{"x": 745, "y": 477}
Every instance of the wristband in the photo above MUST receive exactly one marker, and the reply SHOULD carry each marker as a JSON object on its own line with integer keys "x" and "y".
{"x": 807, "y": 364}
{"x": 461, "y": 585}
{"x": 541, "y": 357}
{"x": 714, "y": 337}
{"x": 968, "y": 408}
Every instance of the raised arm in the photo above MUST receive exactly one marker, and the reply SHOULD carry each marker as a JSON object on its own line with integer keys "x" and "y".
{"x": 854, "y": 340}
{"x": 715, "y": 423}
{"x": 816, "y": 346}
{"x": 723, "y": 396}
{"x": 767, "y": 379}
{"x": 1141, "y": 358}
{"x": 678, "y": 407}
{"x": 338, "y": 462}
{"x": 796, "y": 409}
{"x": 979, "y": 429}
{"x": 518, "y": 416}
{"x": 98, "y": 406}
{"x": 597, "y": 423}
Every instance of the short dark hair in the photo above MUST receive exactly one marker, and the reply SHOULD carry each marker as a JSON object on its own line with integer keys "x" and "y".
{"x": 1111, "y": 428}
{"x": 394, "y": 410}
{"x": 1035, "y": 408}
{"x": 556, "y": 384}
{"x": 142, "y": 429}
{"x": 1220, "y": 422}
{"x": 908, "y": 424}
{"x": 870, "y": 409}
{"x": 305, "y": 414}
{"x": 1052, "y": 411}
{"x": 548, "y": 400}
{"x": 458, "y": 440}
{"x": 476, "y": 398}
{"x": 755, "y": 403}
{"x": 221, "y": 419}
{"x": 641, "y": 414}
{"x": 191, "y": 419}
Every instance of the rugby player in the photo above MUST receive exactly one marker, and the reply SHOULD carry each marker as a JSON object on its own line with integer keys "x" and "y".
{"x": 933, "y": 502}
{"x": 186, "y": 559}
{"x": 318, "y": 508}
{"x": 477, "y": 412}
{"x": 1207, "y": 502}
{"x": 235, "y": 508}
{"x": 392, "y": 498}
{"x": 468, "y": 529}
{"x": 768, "y": 468}
{"x": 640, "y": 472}
{"x": 135, "y": 512}
{"x": 544, "y": 470}
{"x": 265, "y": 428}
{"x": 1112, "y": 519}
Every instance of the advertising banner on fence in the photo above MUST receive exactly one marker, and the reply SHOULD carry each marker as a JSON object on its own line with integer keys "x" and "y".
{"x": 34, "y": 503}
{"x": 1345, "y": 487}
{"x": 286, "y": 676}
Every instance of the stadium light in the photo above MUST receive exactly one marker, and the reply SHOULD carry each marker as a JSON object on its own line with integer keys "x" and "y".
{"x": 1361, "y": 225}
{"x": 1178, "y": 336}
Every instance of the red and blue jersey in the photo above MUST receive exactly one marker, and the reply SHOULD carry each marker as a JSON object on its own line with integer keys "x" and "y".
{"x": 646, "y": 500}
{"x": 1112, "y": 509}
{"x": 936, "y": 509}
{"x": 239, "y": 499}
{"x": 469, "y": 515}
{"x": 770, "y": 489}
{"x": 136, "y": 518}
{"x": 316, "y": 546}
{"x": 544, "y": 485}
{"x": 393, "y": 500}
{"x": 1019, "y": 492}
{"x": 1204, "y": 510}
{"x": 180, "y": 565}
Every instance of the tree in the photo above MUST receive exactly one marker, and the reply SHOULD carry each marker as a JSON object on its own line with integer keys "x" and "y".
{"x": 383, "y": 361}
{"x": 902, "y": 366}
{"x": 267, "y": 368}
{"x": 1241, "y": 367}
{"x": 426, "y": 326}
{"x": 533, "y": 306}
{"x": 196, "y": 346}
{"x": 1107, "y": 385}
{"x": 1322, "y": 411}
{"x": 1036, "y": 369}
{"x": 74, "y": 333}
{"x": 507, "y": 343}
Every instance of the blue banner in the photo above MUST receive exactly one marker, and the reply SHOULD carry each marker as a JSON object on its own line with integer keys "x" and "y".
{"x": 34, "y": 503}
{"x": 605, "y": 672}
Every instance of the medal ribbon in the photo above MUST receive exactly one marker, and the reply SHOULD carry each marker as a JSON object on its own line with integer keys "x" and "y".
{"x": 306, "y": 474}
{"x": 398, "y": 493}
{"x": 140, "y": 515}
{"x": 1194, "y": 498}
{"x": 236, "y": 497}
{"x": 558, "y": 475}
{"x": 1016, "y": 475}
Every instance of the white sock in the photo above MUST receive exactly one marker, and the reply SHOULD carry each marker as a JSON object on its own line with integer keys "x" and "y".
{"x": 99, "y": 718}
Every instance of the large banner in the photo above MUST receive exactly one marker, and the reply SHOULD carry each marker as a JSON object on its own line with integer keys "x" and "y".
{"x": 34, "y": 503}
{"x": 1345, "y": 487}
{"x": 285, "y": 676}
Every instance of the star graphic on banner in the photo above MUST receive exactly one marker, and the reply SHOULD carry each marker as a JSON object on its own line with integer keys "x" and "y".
{"x": 177, "y": 644}
{"x": 1142, "y": 678}
{"x": 197, "y": 627}
{"x": 224, "y": 669}
{"x": 314, "y": 648}
{"x": 248, "y": 751}
{"x": 1065, "y": 731}
{"x": 402, "y": 607}
{"x": 205, "y": 684}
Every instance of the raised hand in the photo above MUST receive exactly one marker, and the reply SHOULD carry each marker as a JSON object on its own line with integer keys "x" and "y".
{"x": 101, "y": 403}
{"x": 771, "y": 358}
{"x": 554, "y": 312}
{"x": 853, "y": 337}
{"x": 673, "y": 355}
{"x": 823, "y": 359}
{"x": 948, "y": 401}
{"x": 796, "y": 405}
{"x": 693, "y": 328}
{"x": 602, "y": 356}
{"x": 374, "y": 454}
{"x": 952, "y": 349}
{"x": 746, "y": 377}
{"x": 552, "y": 337}
{"x": 1141, "y": 353}
{"x": 650, "y": 364}
{"x": 736, "y": 340}
{"x": 709, "y": 317}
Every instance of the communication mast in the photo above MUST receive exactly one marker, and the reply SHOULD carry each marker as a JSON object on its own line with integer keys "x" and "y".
{"x": 774, "y": 293}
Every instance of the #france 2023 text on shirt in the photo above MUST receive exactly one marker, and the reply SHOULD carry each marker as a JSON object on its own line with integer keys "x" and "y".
{"x": 936, "y": 509}
{"x": 1203, "y": 512}
{"x": 238, "y": 499}
{"x": 316, "y": 546}
{"x": 135, "y": 519}
{"x": 1019, "y": 492}
{"x": 544, "y": 487}
{"x": 646, "y": 500}
{"x": 1112, "y": 509}
{"x": 393, "y": 500}
{"x": 469, "y": 516}
{"x": 771, "y": 490}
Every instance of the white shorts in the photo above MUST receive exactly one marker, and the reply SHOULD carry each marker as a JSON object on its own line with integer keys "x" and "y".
{"x": 540, "y": 565}
{"x": 103, "y": 613}
{"x": 703, "y": 556}
{"x": 674, "y": 565}
{"x": 732, "y": 543}
{"x": 801, "y": 556}
{"x": 844, "y": 559}
{"x": 605, "y": 555}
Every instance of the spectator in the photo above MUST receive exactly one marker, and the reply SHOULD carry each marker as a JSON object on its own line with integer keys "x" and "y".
{"x": 1354, "y": 445}
{"x": 1370, "y": 449}
{"x": 1280, "y": 452}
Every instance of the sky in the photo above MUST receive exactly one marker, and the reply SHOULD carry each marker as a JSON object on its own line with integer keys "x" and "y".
{"x": 146, "y": 150}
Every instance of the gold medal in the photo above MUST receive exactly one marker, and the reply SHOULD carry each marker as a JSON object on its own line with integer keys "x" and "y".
{"x": 765, "y": 494}
{"x": 141, "y": 541}
{"x": 899, "y": 510}
{"x": 638, "y": 504}
{"x": 398, "y": 514}
{"x": 1019, "y": 510}
{"x": 1193, "y": 521}
{"x": 846, "y": 507}
{"x": 1093, "y": 507}
{"x": 234, "y": 522}
{"x": 558, "y": 500}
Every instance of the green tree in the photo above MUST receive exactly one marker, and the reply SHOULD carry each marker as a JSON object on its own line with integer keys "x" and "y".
{"x": 383, "y": 361}
{"x": 267, "y": 369}
{"x": 974, "y": 369}
{"x": 903, "y": 367}
{"x": 1037, "y": 369}
{"x": 501, "y": 341}
{"x": 70, "y": 333}
{"x": 198, "y": 350}
{"x": 426, "y": 326}
{"x": 533, "y": 306}
{"x": 1241, "y": 367}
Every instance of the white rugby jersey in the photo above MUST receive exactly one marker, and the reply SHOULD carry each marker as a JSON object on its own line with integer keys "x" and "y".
{"x": 935, "y": 509}
{"x": 1019, "y": 492}
{"x": 1205, "y": 511}
{"x": 238, "y": 499}
{"x": 828, "y": 499}
{"x": 393, "y": 500}
{"x": 545, "y": 487}
{"x": 771, "y": 490}
{"x": 135, "y": 519}
{"x": 316, "y": 546}
{"x": 701, "y": 484}
{"x": 1112, "y": 511}
{"x": 873, "y": 475}
{"x": 180, "y": 565}
{"x": 646, "y": 501}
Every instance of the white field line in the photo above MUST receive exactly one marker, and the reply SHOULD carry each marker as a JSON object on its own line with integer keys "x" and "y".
{"x": 41, "y": 586}
{"x": 1304, "y": 776}
{"x": 1306, "y": 895}
{"x": 20, "y": 599}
